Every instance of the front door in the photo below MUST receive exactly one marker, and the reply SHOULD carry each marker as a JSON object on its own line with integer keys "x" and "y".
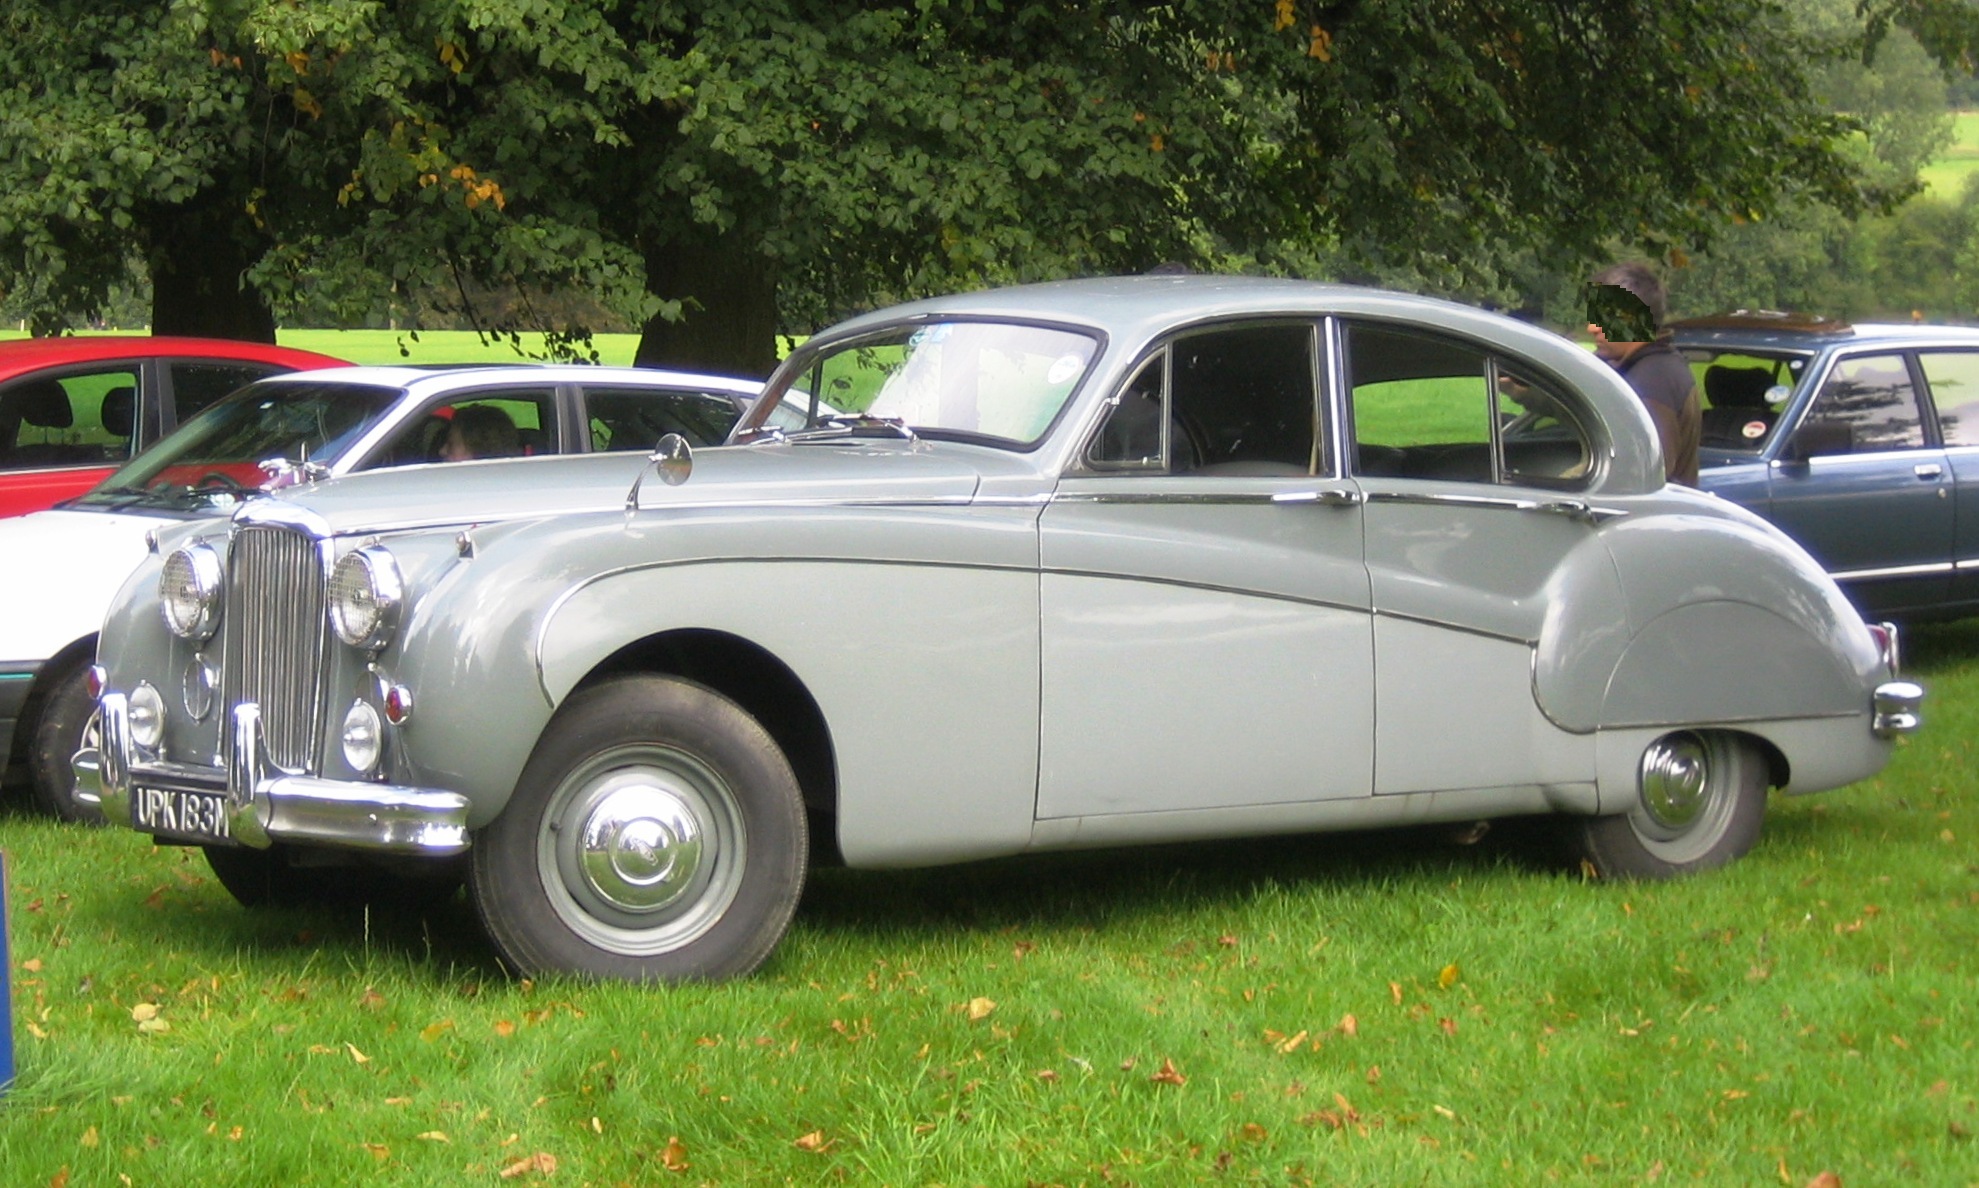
{"x": 1205, "y": 632}
{"x": 1867, "y": 490}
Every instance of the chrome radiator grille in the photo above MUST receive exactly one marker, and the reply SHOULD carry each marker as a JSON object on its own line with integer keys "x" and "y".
{"x": 275, "y": 639}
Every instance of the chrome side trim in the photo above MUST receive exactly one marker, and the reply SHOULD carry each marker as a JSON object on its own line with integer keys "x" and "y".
{"x": 1574, "y": 509}
{"x": 1332, "y": 497}
{"x": 1966, "y": 563}
{"x": 1895, "y": 707}
{"x": 1935, "y": 567}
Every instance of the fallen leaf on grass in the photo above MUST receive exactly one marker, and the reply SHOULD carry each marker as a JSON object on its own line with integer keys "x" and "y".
{"x": 1826, "y": 1179}
{"x": 542, "y": 1162}
{"x": 814, "y": 1142}
{"x": 32, "y": 965}
{"x": 1047, "y": 1074}
{"x": 1168, "y": 1074}
{"x": 1253, "y": 1133}
{"x": 433, "y": 1031}
{"x": 1447, "y": 976}
{"x": 356, "y": 1055}
{"x": 433, "y": 1136}
{"x": 379, "y": 1151}
{"x": 674, "y": 1156}
{"x": 504, "y": 1028}
{"x": 1350, "y": 1026}
{"x": 1449, "y": 1026}
{"x": 979, "y": 1008}
{"x": 91, "y": 1139}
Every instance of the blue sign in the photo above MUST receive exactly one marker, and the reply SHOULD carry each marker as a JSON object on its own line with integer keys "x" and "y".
{"x": 6, "y": 988}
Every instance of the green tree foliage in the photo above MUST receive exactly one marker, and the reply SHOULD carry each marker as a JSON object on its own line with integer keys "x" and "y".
{"x": 720, "y": 172}
{"x": 1809, "y": 256}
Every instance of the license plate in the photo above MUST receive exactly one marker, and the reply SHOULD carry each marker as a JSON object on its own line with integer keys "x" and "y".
{"x": 198, "y": 816}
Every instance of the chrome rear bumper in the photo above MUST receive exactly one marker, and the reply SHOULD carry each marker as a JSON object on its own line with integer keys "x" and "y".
{"x": 266, "y": 804}
{"x": 1895, "y": 708}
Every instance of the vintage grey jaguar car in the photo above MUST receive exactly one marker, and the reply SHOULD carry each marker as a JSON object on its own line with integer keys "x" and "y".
{"x": 1072, "y": 565}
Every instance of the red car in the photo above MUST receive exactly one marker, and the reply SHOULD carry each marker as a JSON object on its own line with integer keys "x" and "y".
{"x": 72, "y": 410}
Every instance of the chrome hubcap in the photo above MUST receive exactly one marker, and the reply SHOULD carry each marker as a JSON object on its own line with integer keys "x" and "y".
{"x": 1676, "y": 776}
{"x": 644, "y": 849}
{"x": 641, "y": 846}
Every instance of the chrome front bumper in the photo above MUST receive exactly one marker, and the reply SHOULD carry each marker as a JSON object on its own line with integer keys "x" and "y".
{"x": 265, "y": 804}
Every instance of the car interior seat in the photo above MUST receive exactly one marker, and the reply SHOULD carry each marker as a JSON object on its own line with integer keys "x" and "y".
{"x": 1735, "y": 398}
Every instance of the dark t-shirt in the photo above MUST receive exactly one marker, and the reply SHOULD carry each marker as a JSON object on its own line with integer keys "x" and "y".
{"x": 1662, "y": 380}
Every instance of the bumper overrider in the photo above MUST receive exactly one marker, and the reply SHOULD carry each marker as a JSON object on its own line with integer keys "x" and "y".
{"x": 261, "y": 804}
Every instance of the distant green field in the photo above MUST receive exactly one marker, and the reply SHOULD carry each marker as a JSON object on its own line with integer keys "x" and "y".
{"x": 1945, "y": 177}
{"x": 442, "y": 346}
{"x": 430, "y": 346}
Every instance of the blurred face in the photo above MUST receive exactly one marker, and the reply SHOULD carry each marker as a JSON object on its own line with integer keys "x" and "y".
{"x": 1618, "y": 321}
{"x": 456, "y": 449}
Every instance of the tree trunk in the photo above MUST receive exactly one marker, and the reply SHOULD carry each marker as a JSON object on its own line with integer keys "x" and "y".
{"x": 728, "y": 300}
{"x": 199, "y": 253}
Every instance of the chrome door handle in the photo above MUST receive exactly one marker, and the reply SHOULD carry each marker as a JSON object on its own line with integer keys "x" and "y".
{"x": 1927, "y": 470}
{"x": 1331, "y": 497}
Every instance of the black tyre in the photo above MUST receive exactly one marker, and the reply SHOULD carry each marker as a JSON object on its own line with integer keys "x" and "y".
{"x": 657, "y": 833}
{"x": 1700, "y": 803}
{"x": 66, "y": 722}
{"x": 284, "y": 877}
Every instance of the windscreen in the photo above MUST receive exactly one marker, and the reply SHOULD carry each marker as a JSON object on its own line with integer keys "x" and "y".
{"x": 997, "y": 382}
{"x": 215, "y": 458}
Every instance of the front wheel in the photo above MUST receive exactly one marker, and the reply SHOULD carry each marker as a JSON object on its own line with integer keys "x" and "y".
{"x": 67, "y": 724}
{"x": 1700, "y": 801}
{"x": 657, "y": 833}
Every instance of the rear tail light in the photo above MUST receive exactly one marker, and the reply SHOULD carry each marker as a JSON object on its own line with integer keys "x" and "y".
{"x": 1885, "y": 635}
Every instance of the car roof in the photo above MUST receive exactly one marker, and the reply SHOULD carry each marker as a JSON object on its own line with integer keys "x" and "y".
{"x": 1808, "y": 333}
{"x": 426, "y": 381}
{"x": 28, "y": 354}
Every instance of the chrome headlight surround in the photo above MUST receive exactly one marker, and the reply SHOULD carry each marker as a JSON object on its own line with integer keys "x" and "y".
{"x": 366, "y": 593}
{"x": 189, "y": 591}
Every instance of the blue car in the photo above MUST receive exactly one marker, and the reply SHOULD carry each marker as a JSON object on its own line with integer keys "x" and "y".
{"x": 1861, "y": 442}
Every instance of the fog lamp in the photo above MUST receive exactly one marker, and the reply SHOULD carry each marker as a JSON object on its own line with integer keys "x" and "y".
{"x": 363, "y": 737}
{"x": 147, "y": 716}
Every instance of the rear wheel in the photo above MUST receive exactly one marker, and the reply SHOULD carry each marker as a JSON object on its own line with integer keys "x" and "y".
{"x": 1700, "y": 802}
{"x": 67, "y": 723}
{"x": 657, "y": 833}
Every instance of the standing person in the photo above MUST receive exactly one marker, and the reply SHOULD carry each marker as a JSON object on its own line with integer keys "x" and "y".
{"x": 1625, "y": 311}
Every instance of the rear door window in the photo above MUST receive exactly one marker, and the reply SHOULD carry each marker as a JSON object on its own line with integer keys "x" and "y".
{"x": 631, "y": 418}
{"x": 1953, "y": 377}
{"x": 78, "y": 418}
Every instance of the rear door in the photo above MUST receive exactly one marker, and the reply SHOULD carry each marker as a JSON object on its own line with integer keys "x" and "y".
{"x": 1473, "y": 465}
{"x": 63, "y": 430}
{"x": 1952, "y": 380}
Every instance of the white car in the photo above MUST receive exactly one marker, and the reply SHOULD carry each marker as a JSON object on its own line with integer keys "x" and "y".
{"x": 65, "y": 564}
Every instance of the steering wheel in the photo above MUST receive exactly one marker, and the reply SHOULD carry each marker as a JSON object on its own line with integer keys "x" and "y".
{"x": 216, "y": 481}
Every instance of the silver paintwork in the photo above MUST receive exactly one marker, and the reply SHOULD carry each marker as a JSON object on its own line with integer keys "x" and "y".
{"x": 1009, "y": 652}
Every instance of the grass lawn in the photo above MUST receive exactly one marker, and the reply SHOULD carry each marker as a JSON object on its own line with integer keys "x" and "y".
{"x": 1945, "y": 176}
{"x": 1358, "y": 1010}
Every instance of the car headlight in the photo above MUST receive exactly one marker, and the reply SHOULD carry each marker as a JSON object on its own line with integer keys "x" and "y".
{"x": 189, "y": 591}
{"x": 366, "y": 592}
